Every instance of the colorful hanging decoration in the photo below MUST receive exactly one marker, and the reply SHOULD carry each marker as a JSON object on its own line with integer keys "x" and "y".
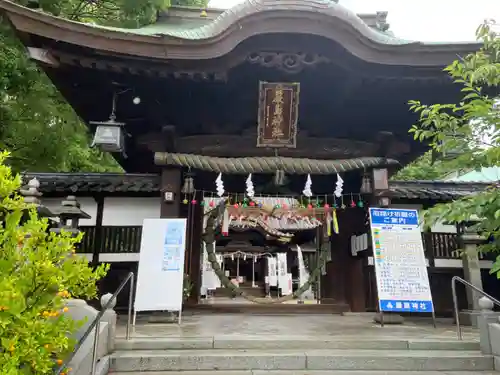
{"x": 307, "y": 188}
{"x": 339, "y": 186}
{"x": 335, "y": 222}
{"x": 361, "y": 204}
{"x": 353, "y": 204}
{"x": 329, "y": 224}
{"x": 250, "y": 188}
{"x": 219, "y": 185}
{"x": 225, "y": 223}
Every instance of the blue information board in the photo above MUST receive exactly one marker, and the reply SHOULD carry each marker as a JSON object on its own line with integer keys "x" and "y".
{"x": 399, "y": 259}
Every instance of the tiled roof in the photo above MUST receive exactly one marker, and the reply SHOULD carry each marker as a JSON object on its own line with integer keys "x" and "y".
{"x": 96, "y": 182}
{"x": 434, "y": 190}
{"x": 87, "y": 183}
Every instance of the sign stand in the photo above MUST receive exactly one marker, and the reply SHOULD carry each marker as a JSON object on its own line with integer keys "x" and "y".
{"x": 400, "y": 263}
{"x": 160, "y": 274}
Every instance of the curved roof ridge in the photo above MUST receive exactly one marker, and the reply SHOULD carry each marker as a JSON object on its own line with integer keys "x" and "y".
{"x": 251, "y": 7}
{"x": 321, "y": 18}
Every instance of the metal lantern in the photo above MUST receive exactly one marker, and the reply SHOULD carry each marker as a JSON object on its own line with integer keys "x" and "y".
{"x": 69, "y": 215}
{"x": 110, "y": 135}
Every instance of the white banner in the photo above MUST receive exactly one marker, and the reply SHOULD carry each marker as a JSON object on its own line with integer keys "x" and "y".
{"x": 160, "y": 274}
{"x": 303, "y": 274}
{"x": 271, "y": 271}
{"x": 283, "y": 281}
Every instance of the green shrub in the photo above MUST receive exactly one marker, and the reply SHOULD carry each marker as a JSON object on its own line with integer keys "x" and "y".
{"x": 39, "y": 270}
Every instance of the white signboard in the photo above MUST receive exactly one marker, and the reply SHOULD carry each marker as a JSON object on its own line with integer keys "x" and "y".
{"x": 160, "y": 275}
{"x": 400, "y": 265}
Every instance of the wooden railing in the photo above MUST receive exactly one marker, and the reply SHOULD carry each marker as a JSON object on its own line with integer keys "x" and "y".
{"x": 113, "y": 239}
{"x": 127, "y": 239}
{"x": 441, "y": 245}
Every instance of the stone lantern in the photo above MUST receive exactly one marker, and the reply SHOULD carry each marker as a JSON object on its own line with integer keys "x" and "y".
{"x": 32, "y": 196}
{"x": 69, "y": 215}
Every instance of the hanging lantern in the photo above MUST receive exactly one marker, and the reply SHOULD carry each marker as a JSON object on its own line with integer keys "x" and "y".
{"x": 366, "y": 184}
{"x": 109, "y": 135}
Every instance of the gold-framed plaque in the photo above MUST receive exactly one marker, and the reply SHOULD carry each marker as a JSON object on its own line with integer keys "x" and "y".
{"x": 278, "y": 114}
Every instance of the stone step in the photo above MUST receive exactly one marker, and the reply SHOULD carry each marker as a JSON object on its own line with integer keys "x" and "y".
{"x": 258, "y": 291}
{"x": 308, "y": 372}
{"x": 289, "y": 342}
{"x": 280, "y": 309}
{"x": 225, "y": 360}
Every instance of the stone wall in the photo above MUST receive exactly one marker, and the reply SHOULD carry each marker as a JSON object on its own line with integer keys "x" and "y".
{"x": 82, "y": 362}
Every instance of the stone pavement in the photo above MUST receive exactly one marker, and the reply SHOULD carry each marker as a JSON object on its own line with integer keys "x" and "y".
{"x": 352, "y": 326}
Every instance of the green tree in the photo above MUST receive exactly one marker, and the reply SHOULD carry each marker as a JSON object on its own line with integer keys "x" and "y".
{"x": 39, "y": 270}
{"x": 471, "y": 127}
{"x": 424, "y": 168}
{"x": 40, "y": 129}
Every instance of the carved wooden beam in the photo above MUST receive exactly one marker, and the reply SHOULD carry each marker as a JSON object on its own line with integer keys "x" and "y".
{"x": 237, "y": 145}
{"x": 389, "y": 146}
{"x": 126, "y": 66}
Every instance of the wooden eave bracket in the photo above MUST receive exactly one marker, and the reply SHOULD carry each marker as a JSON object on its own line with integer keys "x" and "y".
{"x": 43, "y": 56}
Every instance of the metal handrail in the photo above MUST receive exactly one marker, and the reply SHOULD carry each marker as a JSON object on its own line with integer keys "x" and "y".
{"x": 455, "y": 299}
{"x": 96, "y": 324}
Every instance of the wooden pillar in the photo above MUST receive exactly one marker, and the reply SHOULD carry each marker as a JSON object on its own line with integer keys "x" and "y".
{"x": 194, "y": 270}
{"x": 98, "y": 239}
{"x": 170, "y": 183}
{"x": 337, "y": 269}
{"x": 355, "y": 275}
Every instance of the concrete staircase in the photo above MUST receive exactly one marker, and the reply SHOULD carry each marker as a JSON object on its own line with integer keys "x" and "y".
{"x": 293, "y": 355}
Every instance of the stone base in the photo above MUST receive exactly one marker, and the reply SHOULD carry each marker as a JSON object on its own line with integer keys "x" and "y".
{"x": 388, "y": 318}
{"x": 469, "y": 317}
{"x": 162, "y": 317}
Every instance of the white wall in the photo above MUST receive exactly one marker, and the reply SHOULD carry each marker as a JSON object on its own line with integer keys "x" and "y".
{"x": 117, "y": 211}
{"x": 130, "y": 211}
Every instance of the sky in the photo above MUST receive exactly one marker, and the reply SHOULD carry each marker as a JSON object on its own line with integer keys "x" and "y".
{"x": 423, "y": 20}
